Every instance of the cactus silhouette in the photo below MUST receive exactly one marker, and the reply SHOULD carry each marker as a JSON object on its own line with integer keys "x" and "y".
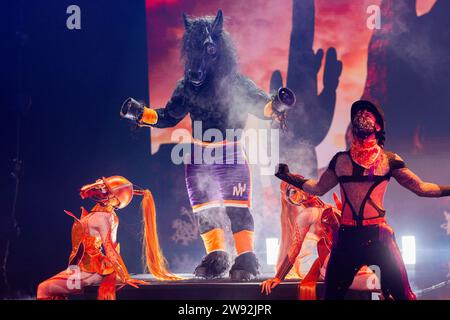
{"x": 309, "y": 122}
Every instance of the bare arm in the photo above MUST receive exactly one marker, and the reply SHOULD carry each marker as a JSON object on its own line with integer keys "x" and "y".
{"x": 409, "y": 180}
{"x": 412, "y": 182}
{"x": 301, "y": 228}
{"x": 326, "y": 182}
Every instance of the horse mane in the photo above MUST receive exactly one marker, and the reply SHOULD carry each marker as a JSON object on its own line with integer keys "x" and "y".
{"x": 227, "y": 59}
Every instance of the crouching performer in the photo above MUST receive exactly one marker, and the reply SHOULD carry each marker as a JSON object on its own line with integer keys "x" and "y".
{"x": 96, "y": 230}
{"x": 364, "y": 236}
{"x": 307, "y": 228}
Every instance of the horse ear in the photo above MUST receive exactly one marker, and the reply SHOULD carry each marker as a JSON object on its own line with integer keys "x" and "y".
{"x": 218, "y": 23}
{"x": 186, "y": 21}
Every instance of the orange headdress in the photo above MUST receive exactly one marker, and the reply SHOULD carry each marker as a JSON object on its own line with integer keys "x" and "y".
{"x": 116, "y": 191}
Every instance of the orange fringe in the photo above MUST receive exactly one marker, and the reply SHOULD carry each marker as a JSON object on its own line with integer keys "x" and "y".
{"x": 307, "y": 287}
{"x": 337, "y": 201}
{"x": 154, "y": 258}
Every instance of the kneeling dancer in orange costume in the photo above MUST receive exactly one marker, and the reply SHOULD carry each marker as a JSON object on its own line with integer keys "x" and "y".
{"x": 97, "y": 230}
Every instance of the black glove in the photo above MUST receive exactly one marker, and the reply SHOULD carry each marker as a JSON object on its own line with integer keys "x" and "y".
{"x": 282, "y": 172}
{"x": 281, "y": 169}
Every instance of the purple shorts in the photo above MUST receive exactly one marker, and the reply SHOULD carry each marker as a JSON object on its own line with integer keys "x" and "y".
{"x": 224, "y": 182}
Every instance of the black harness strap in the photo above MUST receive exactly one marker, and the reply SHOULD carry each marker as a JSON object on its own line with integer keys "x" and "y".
{"x": 375, "y": 179}
{"x": 347, "y": 202}
{"x": 358, "y": 176}
{"x": 381, "y": 212}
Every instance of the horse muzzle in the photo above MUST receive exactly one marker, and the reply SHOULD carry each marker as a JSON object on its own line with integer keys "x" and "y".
{"x": 197, "y": 78}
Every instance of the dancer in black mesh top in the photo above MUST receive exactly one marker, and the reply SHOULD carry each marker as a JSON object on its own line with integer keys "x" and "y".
{"x": 363, "y": 174}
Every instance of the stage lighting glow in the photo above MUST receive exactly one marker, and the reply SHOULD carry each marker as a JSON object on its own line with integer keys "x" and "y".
{"x": 272, "y": 247}
{"x": 409, "y": 249}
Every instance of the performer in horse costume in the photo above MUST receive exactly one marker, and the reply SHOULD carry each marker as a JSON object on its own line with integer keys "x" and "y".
{"x": 95, "y": 257}
{"x": 219, "y": 98}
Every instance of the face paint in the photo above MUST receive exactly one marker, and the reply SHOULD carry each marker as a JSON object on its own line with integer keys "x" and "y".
{"x": 364, "y": 124}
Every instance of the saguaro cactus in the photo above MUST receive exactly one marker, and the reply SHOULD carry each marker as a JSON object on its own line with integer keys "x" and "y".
{"x": 309, "y": 122}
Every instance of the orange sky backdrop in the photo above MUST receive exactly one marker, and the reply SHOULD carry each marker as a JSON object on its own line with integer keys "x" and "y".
{"x": 261, "y": 31}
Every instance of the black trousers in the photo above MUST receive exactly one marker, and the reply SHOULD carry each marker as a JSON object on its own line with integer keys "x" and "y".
{"x": 354, "y": 247}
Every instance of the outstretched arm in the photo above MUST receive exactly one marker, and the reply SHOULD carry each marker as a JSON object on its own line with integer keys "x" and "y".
{"x": 326, "y": 182}
{"x": 257, "y": 101}
{"x": 412, "y": 182}
{"x": 301, "y": 228}
{"x": 176, "y": 109}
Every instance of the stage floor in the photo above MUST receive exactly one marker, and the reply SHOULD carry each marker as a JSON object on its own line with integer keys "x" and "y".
{"x": 429, "y": 278}
{"x": 218, "y": 289}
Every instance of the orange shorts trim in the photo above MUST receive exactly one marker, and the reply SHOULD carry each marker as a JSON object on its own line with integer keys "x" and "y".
{"x": 214, "y": 144}
{"x": 207, "y": 205}
{"x": 218, "y": 204}
{"x": 237, "y": 203}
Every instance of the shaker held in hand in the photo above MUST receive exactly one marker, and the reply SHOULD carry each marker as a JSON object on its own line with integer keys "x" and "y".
{"x": 281, "y": 103}
{"x": 138, "y": 113}
{"x": 284, "y": 100}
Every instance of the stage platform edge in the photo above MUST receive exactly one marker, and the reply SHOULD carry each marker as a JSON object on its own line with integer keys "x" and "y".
{"x": 217, "y": 289}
